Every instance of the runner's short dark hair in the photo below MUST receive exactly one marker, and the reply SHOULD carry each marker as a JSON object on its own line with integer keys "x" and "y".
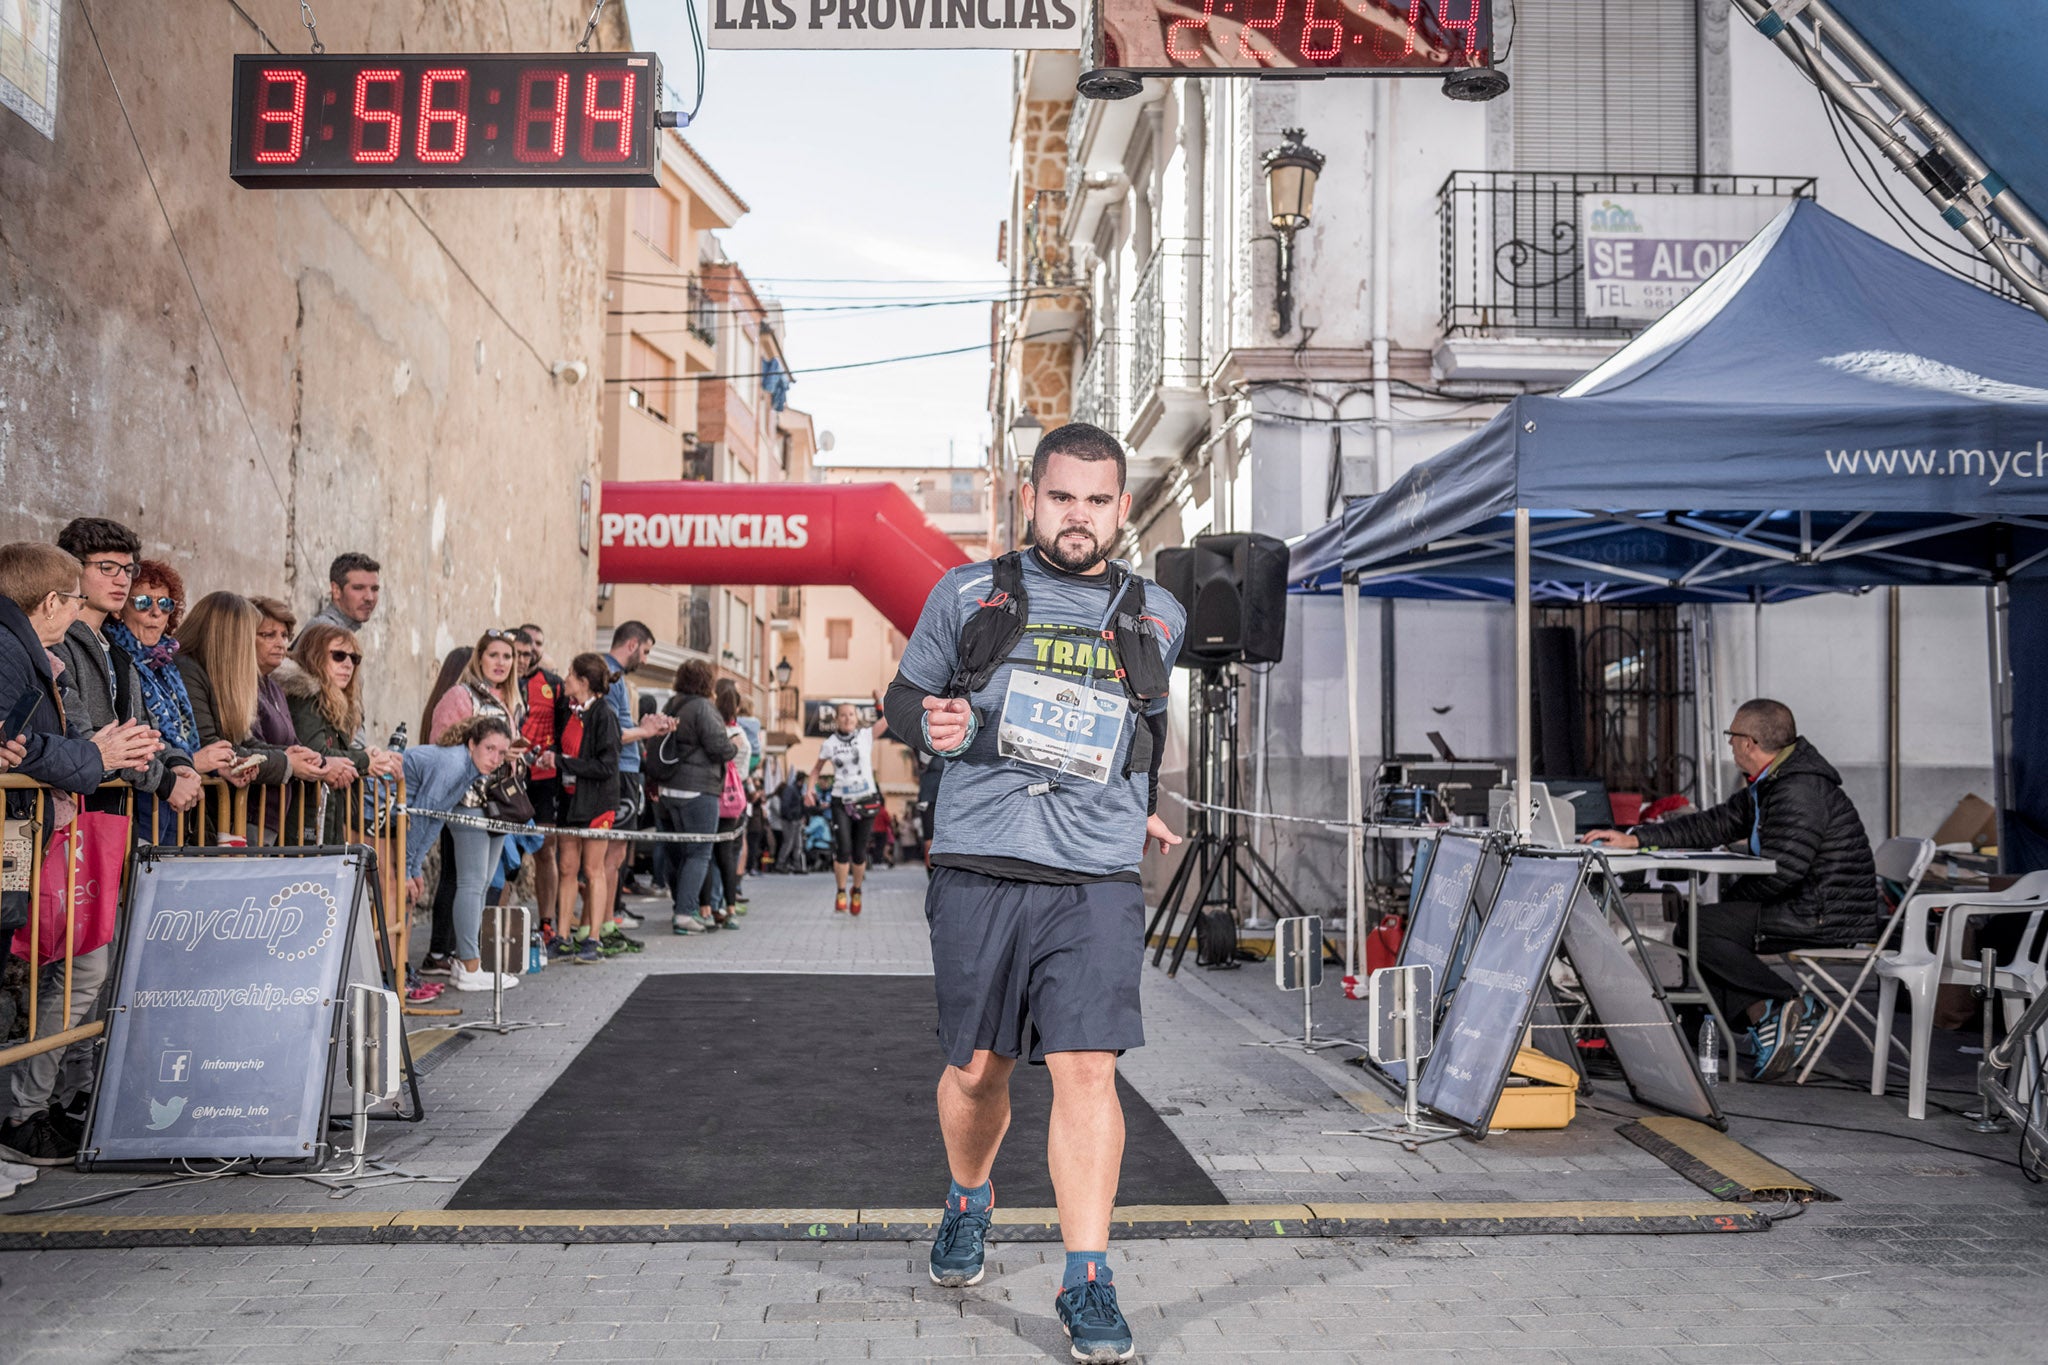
{"x": 1080, "y": 441}
{"x": 355, "y": 561}
{"x": 628, "y": 631}
{"x": 84, "y": 537}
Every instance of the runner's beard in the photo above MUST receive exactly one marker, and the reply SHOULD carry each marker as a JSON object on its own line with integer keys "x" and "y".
{"x": 1050, "y": 548}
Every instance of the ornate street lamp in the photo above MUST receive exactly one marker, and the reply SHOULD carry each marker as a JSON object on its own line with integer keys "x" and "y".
{"x": 1291, "y": 171}
{"x": 782, "y": 672}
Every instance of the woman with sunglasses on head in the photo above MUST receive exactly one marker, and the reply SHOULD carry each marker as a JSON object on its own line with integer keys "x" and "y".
{"x": 155, "y": 608}
{"x": 325, "y": 693}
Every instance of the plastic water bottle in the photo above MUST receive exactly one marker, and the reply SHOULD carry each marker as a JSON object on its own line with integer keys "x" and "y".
{"x": 397, "y": 744}
{"x": 536, "y": 955}
{"x": 1710, "y": 1053}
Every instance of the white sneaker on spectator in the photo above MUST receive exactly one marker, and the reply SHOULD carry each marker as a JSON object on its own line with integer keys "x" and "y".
{"x": 464, "y": 979}
{"x": 13, "y": 1173}
{"x": 8, "y": 1187}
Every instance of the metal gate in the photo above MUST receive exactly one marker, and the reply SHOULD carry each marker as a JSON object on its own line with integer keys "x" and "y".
{"x": 1636, "y": 688}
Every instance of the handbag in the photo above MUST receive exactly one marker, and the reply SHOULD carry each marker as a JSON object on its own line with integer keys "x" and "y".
{"x": 504, "y": 797}
{"x": 732, "y": 797}
{"x": 101, "y": 850}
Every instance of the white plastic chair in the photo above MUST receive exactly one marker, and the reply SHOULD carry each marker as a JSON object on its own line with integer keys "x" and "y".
{"x": 1922, "y": 971}
{"x": 1900, "y": 862}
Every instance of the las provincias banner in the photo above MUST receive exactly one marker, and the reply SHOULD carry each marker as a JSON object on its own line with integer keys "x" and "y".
{"x": 878, "y": 24}
{"x": 869, "y": 536}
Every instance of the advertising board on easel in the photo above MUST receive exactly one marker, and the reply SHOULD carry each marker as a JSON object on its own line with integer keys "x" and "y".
{"x": 227, "y": 1014}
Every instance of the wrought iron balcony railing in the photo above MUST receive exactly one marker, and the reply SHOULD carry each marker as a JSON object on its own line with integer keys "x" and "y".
{"x": 1165, "y": 339}
{"x": 702, "y": 319}
{"x": 1511, "y": 262}
{"x": 1098, "y": 392}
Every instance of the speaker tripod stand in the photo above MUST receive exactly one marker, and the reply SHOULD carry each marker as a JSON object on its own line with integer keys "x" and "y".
{"x": 1220, "y": 862}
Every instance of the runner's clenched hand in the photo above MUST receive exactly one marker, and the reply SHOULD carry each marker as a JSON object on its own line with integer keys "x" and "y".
{"x": 945, "y": 722}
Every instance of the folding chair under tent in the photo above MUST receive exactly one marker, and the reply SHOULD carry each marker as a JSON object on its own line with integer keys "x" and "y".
{"x": 1825, "y": 413}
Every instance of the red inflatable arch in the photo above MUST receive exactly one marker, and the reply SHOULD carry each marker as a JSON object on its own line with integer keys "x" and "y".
{"x": 869, "y": 536}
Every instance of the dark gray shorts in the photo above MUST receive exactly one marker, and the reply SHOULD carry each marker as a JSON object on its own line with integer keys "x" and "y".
{"x": 1026, "y": 969}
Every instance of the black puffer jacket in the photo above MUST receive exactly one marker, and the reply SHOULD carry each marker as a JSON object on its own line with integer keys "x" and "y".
{"x": 1824, "y": 893}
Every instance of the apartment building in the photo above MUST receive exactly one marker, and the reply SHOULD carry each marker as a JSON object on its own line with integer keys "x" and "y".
{"x": 849, "y": 651}
{"x": 699, "y": 392}
{"x": 1437, "y": 274}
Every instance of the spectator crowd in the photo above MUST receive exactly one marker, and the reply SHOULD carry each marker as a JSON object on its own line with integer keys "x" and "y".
{"x": 126, "y": 699}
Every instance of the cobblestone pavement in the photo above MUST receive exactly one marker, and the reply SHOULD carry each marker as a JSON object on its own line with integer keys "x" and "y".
{"x": 1930, "y": 1253}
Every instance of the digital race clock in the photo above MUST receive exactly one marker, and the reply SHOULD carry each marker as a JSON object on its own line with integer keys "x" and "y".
{"x": 1252, "y": 37}
{"x": 447, "y": 119}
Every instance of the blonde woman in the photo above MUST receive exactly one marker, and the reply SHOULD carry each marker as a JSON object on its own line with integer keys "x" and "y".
{"x": 487, "y": 686}
{"x": 217, "y": 661}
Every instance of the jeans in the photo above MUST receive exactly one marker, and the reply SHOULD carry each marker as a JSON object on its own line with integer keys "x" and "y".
{"x": 476, "y": 857}
{"x": 1729, "y": 963}
{"x": 691, "y": 815}
{"x": 34, "y": 1083}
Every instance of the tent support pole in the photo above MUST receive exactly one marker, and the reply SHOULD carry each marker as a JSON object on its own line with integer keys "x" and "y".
{"x": 1999, "y": 638}
{"x": 1892, "y": 794}
{"x": 1985, "y": 212}
{"x": 1354, "y": 837}
{"x": 1524, "y": 718}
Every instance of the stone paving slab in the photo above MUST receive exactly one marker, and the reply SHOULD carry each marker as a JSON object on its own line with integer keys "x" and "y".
{"x": 1931, "y": 1254}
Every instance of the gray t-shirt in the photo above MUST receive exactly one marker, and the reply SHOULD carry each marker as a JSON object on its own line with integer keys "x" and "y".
{"x": 1045, "y": 717}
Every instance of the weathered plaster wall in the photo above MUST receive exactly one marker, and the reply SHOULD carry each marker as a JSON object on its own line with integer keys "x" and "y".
{"x": 392, "y": 347}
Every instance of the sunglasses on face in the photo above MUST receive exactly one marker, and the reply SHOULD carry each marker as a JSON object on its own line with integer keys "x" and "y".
{"x": 111, "y": 568}
{"x": 143, "y": 602}
{"x": 344, "y": 656}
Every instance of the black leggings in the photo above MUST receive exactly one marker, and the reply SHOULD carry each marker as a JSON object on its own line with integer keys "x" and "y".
{"x": 850, "y": 834}
{"x": 726, "y": 854}
{"x": 441, "y": 939}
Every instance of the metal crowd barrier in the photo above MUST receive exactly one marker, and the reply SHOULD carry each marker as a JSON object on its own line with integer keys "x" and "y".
{"x": 291, "y": 814}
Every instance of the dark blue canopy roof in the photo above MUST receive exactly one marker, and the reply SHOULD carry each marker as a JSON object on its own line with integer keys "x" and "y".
{"x": 1825, "y": 413}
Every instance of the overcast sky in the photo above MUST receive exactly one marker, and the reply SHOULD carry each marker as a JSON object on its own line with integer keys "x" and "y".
{"x": 887, "y": 168}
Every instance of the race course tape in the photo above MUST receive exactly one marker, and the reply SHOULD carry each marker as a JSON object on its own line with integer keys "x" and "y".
{"x": 561, "y": 1227}
{"x": 470, "y": 820}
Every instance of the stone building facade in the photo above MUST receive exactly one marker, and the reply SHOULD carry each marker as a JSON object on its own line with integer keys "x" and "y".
{"x": 258, "y": 380}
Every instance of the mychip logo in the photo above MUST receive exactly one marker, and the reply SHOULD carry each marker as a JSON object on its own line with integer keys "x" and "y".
{"x": 299, "y": 921}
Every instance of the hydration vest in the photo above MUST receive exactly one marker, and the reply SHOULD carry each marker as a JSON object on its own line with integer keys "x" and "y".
{"x": 991, "y": 634}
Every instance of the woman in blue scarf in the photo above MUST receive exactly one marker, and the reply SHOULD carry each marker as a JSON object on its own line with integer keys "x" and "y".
{"x": 155, "y": 603}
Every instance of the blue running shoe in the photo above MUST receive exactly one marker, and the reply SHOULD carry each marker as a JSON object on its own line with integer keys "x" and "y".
{"x": 1772, "y": 1041}
{"x": 1094, "y": 1325}
{"x": 957, "y": 1250}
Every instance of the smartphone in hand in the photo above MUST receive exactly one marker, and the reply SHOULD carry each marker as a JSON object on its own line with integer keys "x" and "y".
{"x": 21, "y": 713}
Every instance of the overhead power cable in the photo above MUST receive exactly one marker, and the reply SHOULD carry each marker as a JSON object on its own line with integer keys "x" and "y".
{"x": 823, "y": 369}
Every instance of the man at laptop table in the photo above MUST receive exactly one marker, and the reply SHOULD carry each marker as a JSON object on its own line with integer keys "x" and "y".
{"x": 1792, "y": 810}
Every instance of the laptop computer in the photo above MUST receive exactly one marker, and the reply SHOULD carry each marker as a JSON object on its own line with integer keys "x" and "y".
{"x": 1554, "y": 823}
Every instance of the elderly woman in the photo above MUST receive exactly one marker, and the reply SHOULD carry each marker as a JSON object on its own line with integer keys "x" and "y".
{"x": 155, "y": 607}
{"x": 39, "y": 599}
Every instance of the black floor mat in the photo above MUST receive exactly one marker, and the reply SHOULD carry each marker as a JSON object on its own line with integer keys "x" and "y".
{"x": 782, "y": 1091}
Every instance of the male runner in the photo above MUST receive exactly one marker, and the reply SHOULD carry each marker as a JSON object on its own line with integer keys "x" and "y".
{"x": 1036, "y": 912}
{"x": 854, "y": 801}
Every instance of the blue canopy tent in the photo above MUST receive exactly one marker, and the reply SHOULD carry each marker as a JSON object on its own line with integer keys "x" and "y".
{"x": 1826, "y": 413}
